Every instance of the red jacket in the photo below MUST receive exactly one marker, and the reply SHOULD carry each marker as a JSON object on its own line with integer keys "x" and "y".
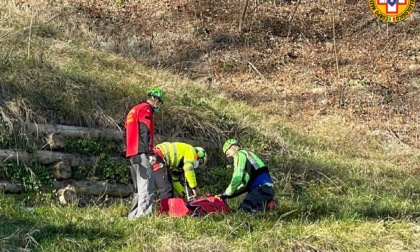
{"x": 139, "y": 130}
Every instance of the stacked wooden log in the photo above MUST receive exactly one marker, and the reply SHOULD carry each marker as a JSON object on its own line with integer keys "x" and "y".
{"x": 60, "y": 164}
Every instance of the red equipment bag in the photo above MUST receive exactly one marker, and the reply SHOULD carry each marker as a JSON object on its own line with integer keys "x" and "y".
{"x": 208, "y": 205}
{"x": 175, "y": 207}
{"x": 201, "y": 206}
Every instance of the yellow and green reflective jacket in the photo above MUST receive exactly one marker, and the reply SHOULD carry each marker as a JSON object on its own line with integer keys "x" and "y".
{"x": 247, "y": 169}
{"x": 180, "y": 157}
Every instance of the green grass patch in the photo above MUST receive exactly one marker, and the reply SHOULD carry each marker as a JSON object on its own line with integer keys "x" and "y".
{"x": 50, "y": 227}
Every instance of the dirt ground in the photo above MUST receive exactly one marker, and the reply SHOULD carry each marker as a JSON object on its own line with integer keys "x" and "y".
{"x": 295, "y": 59}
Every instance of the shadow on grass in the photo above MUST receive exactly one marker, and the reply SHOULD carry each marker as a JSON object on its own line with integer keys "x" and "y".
{"x": 306, "y": 174}
{"x": 22, "y": 233}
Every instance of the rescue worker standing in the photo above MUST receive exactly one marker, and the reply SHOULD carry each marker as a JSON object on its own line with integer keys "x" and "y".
{"x": 250, "y": 175}
{"x": 139, "y": 134}
{"x": 171, "y": 162}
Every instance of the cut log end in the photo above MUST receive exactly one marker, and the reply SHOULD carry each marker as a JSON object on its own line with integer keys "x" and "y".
{"x": 56, "y": 141}
{"x": 68, "y": 196}
{"x": 61, "y": 170}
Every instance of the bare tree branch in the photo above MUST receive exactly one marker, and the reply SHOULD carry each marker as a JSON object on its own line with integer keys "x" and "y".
{"x": 241, "y": 21}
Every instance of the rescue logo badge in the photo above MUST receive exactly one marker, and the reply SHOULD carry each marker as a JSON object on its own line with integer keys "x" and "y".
{"x": 392, "y": 11}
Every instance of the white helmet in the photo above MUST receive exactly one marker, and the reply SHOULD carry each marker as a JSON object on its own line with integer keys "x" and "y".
{"x": 201, "y": 153}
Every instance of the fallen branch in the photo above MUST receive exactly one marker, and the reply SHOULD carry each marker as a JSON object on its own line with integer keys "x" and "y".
{"x": 262, "y": 76}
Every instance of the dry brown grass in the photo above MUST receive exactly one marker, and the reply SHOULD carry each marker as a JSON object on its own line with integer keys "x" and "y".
{"x": 343, "y": 149}
{"x": 294, "y": 77}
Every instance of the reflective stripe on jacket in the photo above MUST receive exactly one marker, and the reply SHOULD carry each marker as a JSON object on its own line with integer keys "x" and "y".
{"x": 180, "y": 157}
{"x": 247, "y": 168}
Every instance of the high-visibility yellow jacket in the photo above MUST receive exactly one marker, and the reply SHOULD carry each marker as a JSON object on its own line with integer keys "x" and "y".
{"x": 180, "y": 157}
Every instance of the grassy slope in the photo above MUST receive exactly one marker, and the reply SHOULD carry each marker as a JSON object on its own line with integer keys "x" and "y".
{"x": 338, "y": 190}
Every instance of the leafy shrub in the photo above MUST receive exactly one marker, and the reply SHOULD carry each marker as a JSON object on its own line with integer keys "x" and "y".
{"x": 111, "y": 171}
{"x": 89, "y": 147}
{"x": 5, "y": 137}
{"x": 114, "y": 171}
{"x": 33, "y": 178}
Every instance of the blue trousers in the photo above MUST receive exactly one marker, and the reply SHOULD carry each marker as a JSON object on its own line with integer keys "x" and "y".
{"x": 257, "y": 199}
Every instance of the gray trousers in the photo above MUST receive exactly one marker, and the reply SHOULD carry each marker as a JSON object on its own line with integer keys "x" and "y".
{"x": 142, "y": 175}
{"x": 163, "y": 182}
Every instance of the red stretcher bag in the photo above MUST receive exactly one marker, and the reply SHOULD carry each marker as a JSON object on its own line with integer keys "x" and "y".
{"x": 201, "y": 206}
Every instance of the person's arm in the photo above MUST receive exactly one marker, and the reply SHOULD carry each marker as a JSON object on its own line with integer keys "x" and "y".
{"x": 189, "y": 159}
{"x": 236, "y": 187}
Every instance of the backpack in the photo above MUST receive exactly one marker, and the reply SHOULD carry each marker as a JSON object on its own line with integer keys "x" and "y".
{"x": 201, "y": 206}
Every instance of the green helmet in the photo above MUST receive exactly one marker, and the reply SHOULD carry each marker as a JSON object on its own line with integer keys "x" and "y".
{"x": 158, "y": 93}
{"x": 201, "y": 153}
{"x": 229, "y": 143}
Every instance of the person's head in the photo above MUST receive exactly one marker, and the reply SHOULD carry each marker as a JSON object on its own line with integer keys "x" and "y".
{"x": 156, "y": 96}
{"x": 201, "y": 156}
{"x": 230, "y": 147}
